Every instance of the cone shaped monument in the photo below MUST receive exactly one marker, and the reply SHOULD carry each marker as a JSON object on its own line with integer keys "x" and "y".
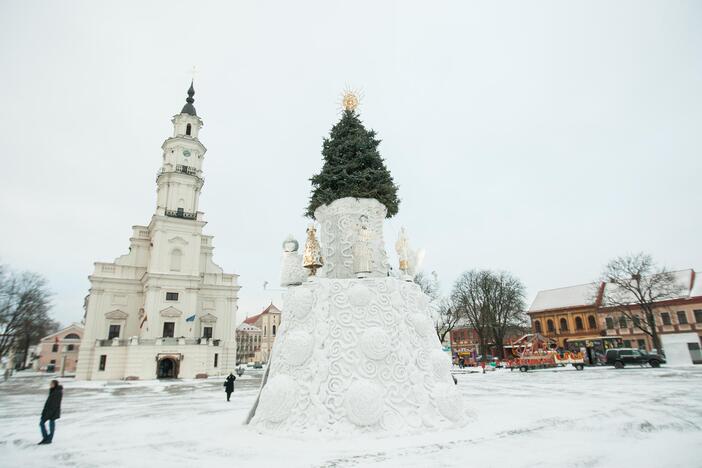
{"x": 356, "y": 350}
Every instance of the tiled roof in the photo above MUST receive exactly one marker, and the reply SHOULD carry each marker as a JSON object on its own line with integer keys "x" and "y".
{"x": 75, "y": 326}
{"x": 271, "y": 309}
{"x": 696, "y": 290}
{"x": 581, "y": 295}
{"x": 589, "y": 294}
{"x": 684, "y": 278}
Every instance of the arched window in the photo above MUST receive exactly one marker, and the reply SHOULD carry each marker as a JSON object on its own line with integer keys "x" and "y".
{"x": 71, "y": 336}
{"x": 564, "y": 324}
{"x": 622, "y": 321}
{"x": 578, "y": 323}
{"x": 176, "y": 257}
{"x": 273, "y": 330}
{"x": 537, "y": 326}
{"x": 549, "y": 326}
{"x": 609, "y": 321}
{"x": 188, "y": 129}
{"x": 591, "y": 322}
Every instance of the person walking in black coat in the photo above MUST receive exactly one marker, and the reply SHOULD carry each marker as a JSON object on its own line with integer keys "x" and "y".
{"x": 229, "y": 385}
{"x": 51, "y": 412}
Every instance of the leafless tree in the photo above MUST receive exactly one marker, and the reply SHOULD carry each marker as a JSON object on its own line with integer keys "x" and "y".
{"x": 492, "y": 303}
{"x": 506, "y": 307}
{"x": 429, "y": 284}
{"x": 635, "y": 285}
{"x": 446, "y": 316}
{"x": 469, "y": 296}
{"x": 24, "y": 307}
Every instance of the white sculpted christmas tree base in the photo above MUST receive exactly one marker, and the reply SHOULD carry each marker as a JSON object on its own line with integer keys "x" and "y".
{"x": 357, "y": 355}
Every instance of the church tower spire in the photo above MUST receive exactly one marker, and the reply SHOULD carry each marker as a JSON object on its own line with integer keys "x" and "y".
{"x": 180, "y": 177}
{"x": 188, "y": 108}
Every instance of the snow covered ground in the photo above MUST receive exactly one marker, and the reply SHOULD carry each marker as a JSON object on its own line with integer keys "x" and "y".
{"x": 563, "y": 418}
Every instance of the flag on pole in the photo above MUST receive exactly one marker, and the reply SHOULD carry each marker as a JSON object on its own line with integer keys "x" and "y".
{"x": 190, "y": 319}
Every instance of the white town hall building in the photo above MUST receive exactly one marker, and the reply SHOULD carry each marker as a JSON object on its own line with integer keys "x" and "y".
{"x": 164, "y": 309}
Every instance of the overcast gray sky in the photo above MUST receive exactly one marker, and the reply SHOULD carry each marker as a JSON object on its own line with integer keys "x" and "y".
{"x": 542, "y": 138}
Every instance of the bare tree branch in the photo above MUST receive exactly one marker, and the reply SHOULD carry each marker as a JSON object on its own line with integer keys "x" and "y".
{"x": 634, "y": 284}
{"x": 24, "y": 306}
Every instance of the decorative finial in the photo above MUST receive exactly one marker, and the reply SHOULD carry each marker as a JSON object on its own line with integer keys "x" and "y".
{"x": 350, "y": 99}
{"x": 290, "y": 244}
{"x": 312, "y": 258}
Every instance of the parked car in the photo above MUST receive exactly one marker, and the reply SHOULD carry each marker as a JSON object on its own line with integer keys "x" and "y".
{"x": 620, "y": 357}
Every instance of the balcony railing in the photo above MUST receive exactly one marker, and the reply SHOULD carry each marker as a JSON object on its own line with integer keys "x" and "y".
{"x": 163, "y": 341}
{"x": 186, "y": 169}
{"x": 183, "y": 169}
{"x": 180, "y": 213}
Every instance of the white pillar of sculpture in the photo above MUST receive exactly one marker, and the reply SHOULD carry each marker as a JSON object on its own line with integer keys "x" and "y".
{"x": 341, "y": 223}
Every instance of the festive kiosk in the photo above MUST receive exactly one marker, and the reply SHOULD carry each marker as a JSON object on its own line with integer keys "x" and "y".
{"x": 356, "y": 350}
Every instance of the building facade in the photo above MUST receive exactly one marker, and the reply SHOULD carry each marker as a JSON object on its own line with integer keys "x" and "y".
{"x": 165, "y": 309}
{"x": 465, "y": 343}
{"x": 679, "y": 315}
{"x": 575, "y": 317}
{"x": 58, "y": 352}
{"x": 268, "y": 322}
{"x": 248, "y": 344}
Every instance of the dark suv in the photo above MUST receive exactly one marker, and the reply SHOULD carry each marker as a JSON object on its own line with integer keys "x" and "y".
{"x": 621, "y": 357}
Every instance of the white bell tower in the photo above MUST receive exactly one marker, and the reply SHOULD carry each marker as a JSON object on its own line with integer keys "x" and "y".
{"x": 180, "y": 177}
{"x": 164, "y": 309}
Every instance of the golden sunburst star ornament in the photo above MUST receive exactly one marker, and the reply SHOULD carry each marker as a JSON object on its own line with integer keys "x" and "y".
{"x": 350, "y": 99}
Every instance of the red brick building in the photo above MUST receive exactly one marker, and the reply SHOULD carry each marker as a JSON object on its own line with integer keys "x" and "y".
{"x": 575, "y": 318}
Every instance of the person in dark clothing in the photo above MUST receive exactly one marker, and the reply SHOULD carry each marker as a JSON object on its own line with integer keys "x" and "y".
{"x": 229, "y": 385}
{"x": 51, "y": 412}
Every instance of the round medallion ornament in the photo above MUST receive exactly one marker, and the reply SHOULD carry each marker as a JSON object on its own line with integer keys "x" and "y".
{"x": 364, "y": 403}
{"x": 301, "y": 302}
{"x": 375, "y": 343}
{"x": 298, "y": 347}
{"x": 279, "y": 397}
{"x": 441, "y": 364}
{"x": 359, "y": 295}
{"x": 448, "y": 402}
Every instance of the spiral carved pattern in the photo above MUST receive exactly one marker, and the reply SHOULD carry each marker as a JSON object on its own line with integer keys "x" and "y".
{"x": 364, "y": 357}
{"x": 375, "y": 343}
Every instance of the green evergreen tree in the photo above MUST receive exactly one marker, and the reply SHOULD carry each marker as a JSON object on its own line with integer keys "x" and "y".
{"x": 352, "y": 167}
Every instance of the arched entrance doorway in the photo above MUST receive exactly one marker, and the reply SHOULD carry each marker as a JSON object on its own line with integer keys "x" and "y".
{"x": 167, "y": 368}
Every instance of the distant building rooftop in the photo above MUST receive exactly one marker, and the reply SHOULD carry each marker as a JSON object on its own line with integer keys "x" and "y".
{"x": 271, "y": 309}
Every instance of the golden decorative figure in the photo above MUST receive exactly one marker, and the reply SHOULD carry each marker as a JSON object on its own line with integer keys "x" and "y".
{"x": 402, "y": 248}
{"x": 350, "y": 99}
{"x": 312, "y": 257}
